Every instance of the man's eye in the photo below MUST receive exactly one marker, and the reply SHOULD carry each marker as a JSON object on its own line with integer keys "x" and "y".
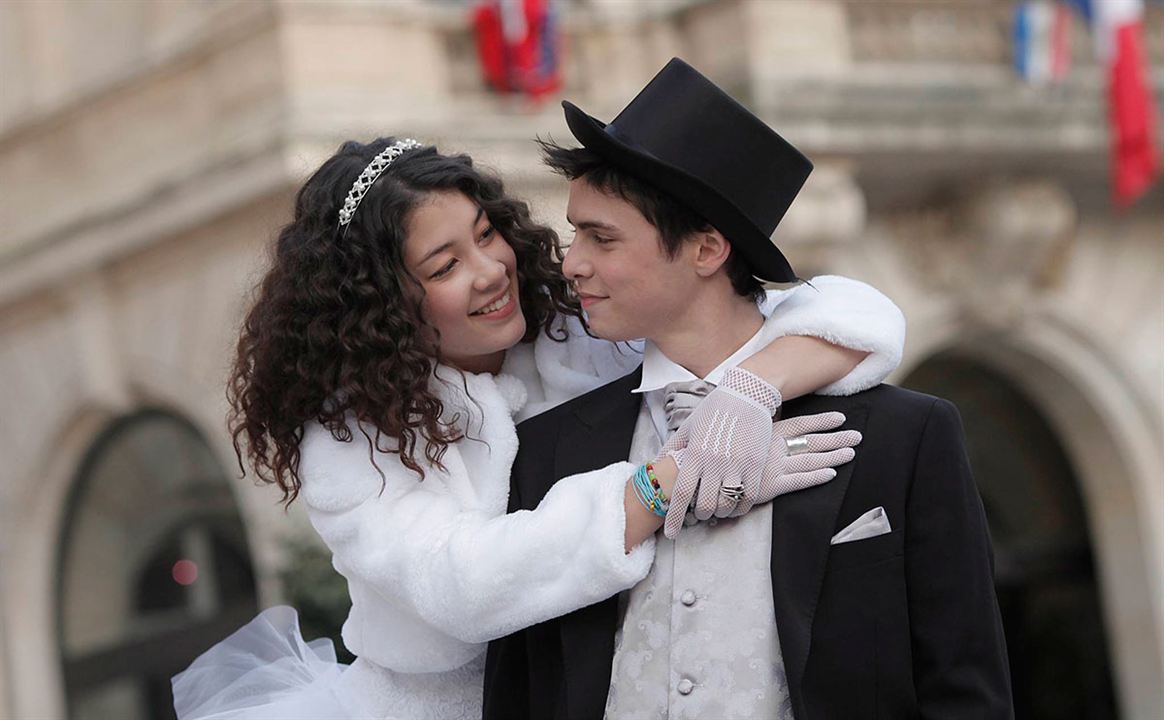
{"x": 443, "y": 271}
{"x": 602, "y": 240}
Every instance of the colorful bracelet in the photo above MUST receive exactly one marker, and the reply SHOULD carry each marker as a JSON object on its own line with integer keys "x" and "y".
{"x": 655, "y": 483}
{"x": 649, "y": 493}
{"x": 649, "y": 497}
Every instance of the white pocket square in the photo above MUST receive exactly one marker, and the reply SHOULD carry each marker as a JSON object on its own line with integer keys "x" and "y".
{"x": 871, "y": 524}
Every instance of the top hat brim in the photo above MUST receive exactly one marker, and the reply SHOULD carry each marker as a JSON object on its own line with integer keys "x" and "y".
{"x": 763, "y": 257}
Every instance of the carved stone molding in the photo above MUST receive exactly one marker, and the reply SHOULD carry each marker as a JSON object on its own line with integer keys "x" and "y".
{"x": 994, "y": 249}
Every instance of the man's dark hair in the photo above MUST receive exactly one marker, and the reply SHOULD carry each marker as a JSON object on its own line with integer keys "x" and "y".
{"x": 674, "y": 220}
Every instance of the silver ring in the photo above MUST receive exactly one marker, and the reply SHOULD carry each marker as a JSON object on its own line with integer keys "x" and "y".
{"x": 734, "y": 494}
{"x": 797, "y": 445}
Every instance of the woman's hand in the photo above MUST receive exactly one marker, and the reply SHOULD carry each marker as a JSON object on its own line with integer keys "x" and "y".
{"x": 728, "y": 434}
{"x": 801, "y": 453}
{"x": 725, "y": 444}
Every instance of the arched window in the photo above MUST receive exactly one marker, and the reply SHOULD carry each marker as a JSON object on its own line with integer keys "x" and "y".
{"x": 1044, "y": 567}
{"x": 154, "y": 567}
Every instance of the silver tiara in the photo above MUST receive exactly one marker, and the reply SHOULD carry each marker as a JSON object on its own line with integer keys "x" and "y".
{"x": 378, "y": 165}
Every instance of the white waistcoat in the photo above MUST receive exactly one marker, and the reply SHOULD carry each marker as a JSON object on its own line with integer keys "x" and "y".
{"x": 698, "y": 639}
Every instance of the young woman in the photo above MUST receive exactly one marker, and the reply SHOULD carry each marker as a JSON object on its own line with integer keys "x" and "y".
{"x": 411, "y": 314}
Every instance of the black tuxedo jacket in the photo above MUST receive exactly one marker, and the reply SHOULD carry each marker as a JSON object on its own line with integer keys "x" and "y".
{"x": 901, "y": 625}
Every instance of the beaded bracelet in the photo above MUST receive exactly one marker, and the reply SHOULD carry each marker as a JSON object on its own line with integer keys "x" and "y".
{"x": 655, "y": 483}
{"x": 649, "y": 493}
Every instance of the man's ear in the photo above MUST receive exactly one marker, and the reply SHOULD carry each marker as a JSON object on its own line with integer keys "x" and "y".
{"x": 711, "y": 251}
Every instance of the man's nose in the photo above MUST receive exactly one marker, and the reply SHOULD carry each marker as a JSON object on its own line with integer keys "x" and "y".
{"x": 576, "y": 265}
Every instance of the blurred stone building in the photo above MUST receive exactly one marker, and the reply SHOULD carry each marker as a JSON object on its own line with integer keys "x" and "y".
{"x": 149, "y": 150}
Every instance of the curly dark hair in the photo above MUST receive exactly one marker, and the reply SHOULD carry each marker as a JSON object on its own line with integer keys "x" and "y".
{"x": 335, "y": 330}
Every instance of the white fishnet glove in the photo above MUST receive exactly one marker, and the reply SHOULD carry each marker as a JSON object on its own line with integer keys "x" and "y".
{"x": 725, "y": 442}
{"x": 783, "y": 473}
{"x": 786, "y": 473}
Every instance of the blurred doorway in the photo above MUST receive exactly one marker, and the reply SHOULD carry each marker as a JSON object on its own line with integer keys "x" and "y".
{"x": 1044, "y": 567}
{"x": 154, "y": 567}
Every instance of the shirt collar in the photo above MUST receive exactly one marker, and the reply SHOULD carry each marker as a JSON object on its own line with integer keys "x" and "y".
{"x": 659, "y": 370}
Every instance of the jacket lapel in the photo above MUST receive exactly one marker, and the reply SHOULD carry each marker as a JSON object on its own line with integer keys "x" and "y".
{"x": 802, "y": 526}
{"x": 602, "y": 430}
{"x": 600, "y": 435}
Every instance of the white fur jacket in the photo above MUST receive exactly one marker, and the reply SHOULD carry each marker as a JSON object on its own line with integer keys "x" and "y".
{"x": 437, "y": 568}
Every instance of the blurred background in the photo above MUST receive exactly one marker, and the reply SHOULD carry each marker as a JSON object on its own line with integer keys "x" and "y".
{"x": 988, "y": 164}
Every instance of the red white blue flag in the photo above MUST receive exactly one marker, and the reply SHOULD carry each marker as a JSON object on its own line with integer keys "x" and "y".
{"x": 518, "y": 45}
{"x": 1118, "y": 29}
{"x": 1042, "y": 41}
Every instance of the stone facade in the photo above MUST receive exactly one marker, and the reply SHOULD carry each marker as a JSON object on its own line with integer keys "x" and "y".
{"x": 148, "y": 151}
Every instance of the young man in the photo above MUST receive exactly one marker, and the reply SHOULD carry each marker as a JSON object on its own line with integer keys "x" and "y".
{"x": 867, "y": 596}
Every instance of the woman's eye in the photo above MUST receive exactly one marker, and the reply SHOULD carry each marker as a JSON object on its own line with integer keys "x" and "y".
{"x": 443, "y": 271}
{"x": 487, "y": 233}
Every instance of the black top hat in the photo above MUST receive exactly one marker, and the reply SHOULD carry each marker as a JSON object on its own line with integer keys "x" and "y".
{"x": 687, "y": 137}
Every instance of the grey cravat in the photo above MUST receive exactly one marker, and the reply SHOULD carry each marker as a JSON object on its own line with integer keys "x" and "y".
{"x": 681, "y": 398}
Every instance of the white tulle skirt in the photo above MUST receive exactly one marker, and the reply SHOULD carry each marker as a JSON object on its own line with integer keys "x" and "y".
{"x": 266, "y": 670}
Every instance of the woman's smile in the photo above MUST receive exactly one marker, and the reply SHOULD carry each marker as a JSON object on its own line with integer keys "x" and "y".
{"x": 499, "y": 308}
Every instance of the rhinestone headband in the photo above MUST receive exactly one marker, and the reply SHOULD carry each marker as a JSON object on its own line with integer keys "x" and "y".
{"x": 378, "y": 165}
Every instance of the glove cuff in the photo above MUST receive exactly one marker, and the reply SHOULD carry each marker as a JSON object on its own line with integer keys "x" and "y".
{"x": 753, "y": 388}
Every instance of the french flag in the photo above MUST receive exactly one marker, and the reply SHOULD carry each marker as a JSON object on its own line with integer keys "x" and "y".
{"x": 1118, "y": 29}
{"x": 1042, "y": 41}
{"x": 518, "y": 45}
